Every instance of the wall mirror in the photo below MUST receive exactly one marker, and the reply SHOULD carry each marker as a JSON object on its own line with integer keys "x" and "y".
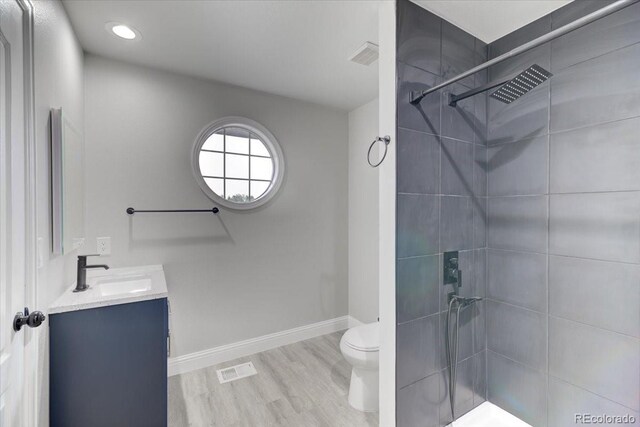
{"x": 67, "y": 182}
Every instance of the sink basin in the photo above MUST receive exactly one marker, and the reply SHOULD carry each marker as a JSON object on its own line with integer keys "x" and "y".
{"x": 120, "y": 285}
{"x": 109, "y": 286}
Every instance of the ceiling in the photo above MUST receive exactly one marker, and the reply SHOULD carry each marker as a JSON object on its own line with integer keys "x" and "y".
{"x": 293, "y": 48}
{"x": 296, "y": 48}
{"x": 489, "y": 20}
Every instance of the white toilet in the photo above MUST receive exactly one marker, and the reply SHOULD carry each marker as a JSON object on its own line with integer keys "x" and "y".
{"x": 360, "y": 346}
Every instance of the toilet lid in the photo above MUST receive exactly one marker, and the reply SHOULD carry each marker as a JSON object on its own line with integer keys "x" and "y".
{"x": 363, "y": 337}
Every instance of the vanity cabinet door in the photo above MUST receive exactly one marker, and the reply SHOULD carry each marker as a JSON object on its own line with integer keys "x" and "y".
{"x": 108, "y": 366}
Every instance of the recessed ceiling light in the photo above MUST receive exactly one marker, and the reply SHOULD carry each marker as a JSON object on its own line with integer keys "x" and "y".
{"x": 123, "y": 31}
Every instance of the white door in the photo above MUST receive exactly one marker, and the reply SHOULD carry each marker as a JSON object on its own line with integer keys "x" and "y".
{"x": 15, "y": 90}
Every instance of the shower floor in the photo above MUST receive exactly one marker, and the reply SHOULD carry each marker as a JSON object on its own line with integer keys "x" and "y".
{"x": 488, "y": 415}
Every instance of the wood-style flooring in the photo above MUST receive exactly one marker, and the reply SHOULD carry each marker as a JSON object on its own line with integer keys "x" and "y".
{"x": 298, "y": 385}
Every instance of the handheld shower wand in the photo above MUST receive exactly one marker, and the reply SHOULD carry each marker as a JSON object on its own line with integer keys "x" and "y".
{"x": 457, "y": 303}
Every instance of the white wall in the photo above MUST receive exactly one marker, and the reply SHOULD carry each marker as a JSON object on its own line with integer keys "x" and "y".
{"x": 387, "y": 213}
{"x": 58, "y": 82}
{"x": 238, "y": 275}
{"x": 363, "y": 215}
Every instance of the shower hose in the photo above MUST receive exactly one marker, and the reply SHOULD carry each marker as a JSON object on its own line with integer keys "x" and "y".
{"x": 451, "y": 348}
{"x": 451, "y": 343}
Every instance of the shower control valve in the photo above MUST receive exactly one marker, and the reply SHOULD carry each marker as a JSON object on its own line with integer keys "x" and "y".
{"x": 451, "y": 274}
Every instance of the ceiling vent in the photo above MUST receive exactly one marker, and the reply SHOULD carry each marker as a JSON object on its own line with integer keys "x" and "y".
{"x": 367, "y": 54}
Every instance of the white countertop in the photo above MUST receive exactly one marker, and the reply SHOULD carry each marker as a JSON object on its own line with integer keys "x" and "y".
{"x": 151, "y": 280}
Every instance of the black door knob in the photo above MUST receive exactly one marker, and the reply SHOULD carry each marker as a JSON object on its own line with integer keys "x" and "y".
{"x": 32, "y": 320}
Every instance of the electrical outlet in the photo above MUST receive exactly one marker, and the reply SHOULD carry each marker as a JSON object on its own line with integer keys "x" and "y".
{"x": 104, "y": 245}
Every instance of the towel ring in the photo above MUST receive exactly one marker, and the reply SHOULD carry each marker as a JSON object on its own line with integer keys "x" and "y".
{"x": 386, "y": 139}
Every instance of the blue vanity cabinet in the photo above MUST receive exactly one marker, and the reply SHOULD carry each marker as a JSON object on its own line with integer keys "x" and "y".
{"x": 108, "y": 366}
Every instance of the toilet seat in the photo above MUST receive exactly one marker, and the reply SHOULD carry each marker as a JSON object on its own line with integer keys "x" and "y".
{"x": 364, "y": 337}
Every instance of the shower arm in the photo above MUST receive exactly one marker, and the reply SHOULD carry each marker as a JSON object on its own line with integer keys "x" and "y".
{"x": 454, "y": 99}
{"x": 416, "y": 96}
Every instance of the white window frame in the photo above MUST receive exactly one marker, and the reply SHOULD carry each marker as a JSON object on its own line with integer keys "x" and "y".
{"x": 269, "y": 141}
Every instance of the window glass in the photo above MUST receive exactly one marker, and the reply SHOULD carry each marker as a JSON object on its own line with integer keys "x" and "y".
{"x": 261, "y": 168}
{"x": 212, "y": 164}
{"x": 215, "y": 142}
{"x": 236, "y": 140}
{"x": 236, "y": 166}
{"x": 237, "y": 190}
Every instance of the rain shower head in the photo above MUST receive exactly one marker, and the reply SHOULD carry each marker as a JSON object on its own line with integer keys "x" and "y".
{"x": 521, "y": 84}
{"x": 509, "y": 88}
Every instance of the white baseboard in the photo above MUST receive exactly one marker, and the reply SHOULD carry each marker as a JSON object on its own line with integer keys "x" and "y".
{"x": 225, "y": 353}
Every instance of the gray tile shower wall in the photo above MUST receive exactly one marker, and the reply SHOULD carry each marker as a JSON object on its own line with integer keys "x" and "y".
{"x": 517, "y": 388}
{"x": 563, "y": 270}
{"x": 567, "y": 400}
{"x": 542, "y": 197}
{"x": 442, "y": 205}
{"x": 604, "y": 36}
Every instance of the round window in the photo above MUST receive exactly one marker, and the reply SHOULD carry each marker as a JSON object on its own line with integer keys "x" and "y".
{"x": 238, "y": 163}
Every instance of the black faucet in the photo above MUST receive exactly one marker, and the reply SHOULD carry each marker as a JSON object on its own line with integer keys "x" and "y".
{"x": 81, "y": 279}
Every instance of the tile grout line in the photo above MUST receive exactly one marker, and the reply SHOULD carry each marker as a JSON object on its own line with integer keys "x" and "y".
{"x": 554, "y": 132}
{"x": 598, "y": 328}
{"x": 593, "y": 125}
{"x": 591, "y": 392}
{"x": 440, "y": 149}
{"x": 556, "y": 316}
{"x": 609, "y": 52}
{"x": 437, "y": 135}
{"x": 548, "y": 294}
{"x": 555, "y": 194}
{"x": 510, "y": 304}
{"x": 525, "y": 365}
{"x": 486, "y": 235}
{"x": 551, "y": 254}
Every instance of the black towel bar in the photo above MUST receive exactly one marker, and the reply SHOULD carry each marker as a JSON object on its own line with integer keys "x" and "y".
{"x": 132, "y": 211}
